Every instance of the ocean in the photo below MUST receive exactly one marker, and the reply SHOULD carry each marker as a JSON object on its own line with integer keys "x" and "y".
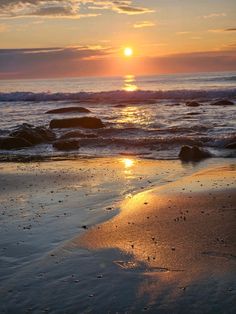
{"x": 145, "y": 116}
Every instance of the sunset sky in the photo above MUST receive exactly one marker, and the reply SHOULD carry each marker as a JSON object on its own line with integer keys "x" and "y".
{"x": 43, "y": 38}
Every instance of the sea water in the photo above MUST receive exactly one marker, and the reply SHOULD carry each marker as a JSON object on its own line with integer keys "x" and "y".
{"x": 145, "y": 116}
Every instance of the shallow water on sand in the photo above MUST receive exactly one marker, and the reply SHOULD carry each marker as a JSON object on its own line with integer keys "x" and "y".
{"x": 46, "y": 206}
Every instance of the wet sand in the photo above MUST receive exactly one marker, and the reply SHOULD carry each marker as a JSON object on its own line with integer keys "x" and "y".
{"x": 118, "y": 235}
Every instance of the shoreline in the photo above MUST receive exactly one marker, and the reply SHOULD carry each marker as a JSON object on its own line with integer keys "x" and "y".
{"x": 27, "y": 158}
{"x": 47, "y": 206}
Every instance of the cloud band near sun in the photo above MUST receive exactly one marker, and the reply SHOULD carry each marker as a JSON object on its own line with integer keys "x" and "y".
{"x": 95, "y": 60}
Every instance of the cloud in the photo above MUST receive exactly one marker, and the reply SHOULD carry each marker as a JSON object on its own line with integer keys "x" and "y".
{"x": 216, "y": 30}
{"x": 183, "y": 33}
{"x": 98, "y": 60}
{"x": 15, "y": 8}
{"x": 144, "y": 24}
{"x": 211, "y": 61}
{"x": 132, "y": 10}
{"x": 120, "y": 6}
{"x": 213, "y": 15}
{"x": 220, "y": 30}
{"x": 50, "y": 62}
{"x": 229, "y": 46}
{"x": 79, "y": 51}
{"x": 66, "y": 9}
{"x": 230, "y": 30}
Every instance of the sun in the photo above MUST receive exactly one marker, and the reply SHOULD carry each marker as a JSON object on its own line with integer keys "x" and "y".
{"x": 128, "y": 52}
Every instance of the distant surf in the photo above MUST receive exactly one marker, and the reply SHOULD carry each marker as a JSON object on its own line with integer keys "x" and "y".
{"x": 117, "y": 96}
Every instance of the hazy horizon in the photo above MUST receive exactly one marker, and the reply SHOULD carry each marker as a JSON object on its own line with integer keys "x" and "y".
{"x": 117, "y": 76}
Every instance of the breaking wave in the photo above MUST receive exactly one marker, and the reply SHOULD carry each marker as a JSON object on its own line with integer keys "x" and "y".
{"x": 121, "y": 96}
{"x": 157, "y": 141}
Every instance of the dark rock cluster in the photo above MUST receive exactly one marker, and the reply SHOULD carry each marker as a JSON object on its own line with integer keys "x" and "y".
{"x": 194, "y": 153}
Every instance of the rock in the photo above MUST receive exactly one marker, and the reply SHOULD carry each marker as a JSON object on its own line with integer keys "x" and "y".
{"x": 224, "y": 102}
{"x": 78, "y": 134}
{"x": 194, "y": 153}
{"x": 34, "y": 135}
{"x": 13, "y": 142}
{"x": 66, "y": 144}
{"x": 192, "y": 104}
{"x": 69, "y": 110}
{"x": 46, "y": 133}
{"x": 231, "y": 145}
{"x": 85, "y": 122}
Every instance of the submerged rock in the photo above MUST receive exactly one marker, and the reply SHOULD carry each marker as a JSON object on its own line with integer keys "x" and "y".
{"x": 85, "y": 122}
{"x": 69, "y": 110}
{"x": 192, "y": 104}
{"x": 70, "y": 144}
{"x": 231, "y": 145}
{"x": 224, "y": 102}
{"x": 34, "y": 135}
{"x": 13, "y": 142}
{"x": 194, "y": 153}
{"x": 78, "y": 134}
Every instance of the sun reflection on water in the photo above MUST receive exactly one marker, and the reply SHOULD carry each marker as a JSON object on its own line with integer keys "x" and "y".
{"x": 130, "y": 83}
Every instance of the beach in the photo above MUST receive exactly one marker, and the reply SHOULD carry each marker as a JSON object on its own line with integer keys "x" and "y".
{"x": 118, "y": 201}
{"x": 117, "y": 157}
{"x": 118, "y": 234}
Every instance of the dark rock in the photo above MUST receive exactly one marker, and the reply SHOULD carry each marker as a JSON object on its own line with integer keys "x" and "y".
{"x": 224, "y": 102}
{"x": 231, "y": 145}
{"x": 78, "y": 134}
{"x": 85, "y": 122}
{"x": 13, "y": 142}
{"x": 69, "y": 110}
{"x": 34, "y": 135}
{"x": 46, "y": 133}
{"x": 66, "y": 144}
{"x": 194, "y": 153}
{"x": 200, "y": 153}
{"x": 192, "y": 104}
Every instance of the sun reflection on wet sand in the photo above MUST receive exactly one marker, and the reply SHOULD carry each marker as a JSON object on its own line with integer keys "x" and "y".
{"x": 130, "y": 83}
{"x": 167, "y": 234}
{"x": 128, "y": 163}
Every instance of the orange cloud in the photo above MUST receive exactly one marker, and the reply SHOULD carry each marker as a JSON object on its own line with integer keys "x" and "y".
{"x": 213, "y": 15}
{"x": 144, "y": 24}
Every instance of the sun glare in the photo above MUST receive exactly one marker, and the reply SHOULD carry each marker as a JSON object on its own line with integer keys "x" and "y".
{"x": 130, "y": 83}
{"x": 128, "y": 162}
{"x": 128, "y": 52}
